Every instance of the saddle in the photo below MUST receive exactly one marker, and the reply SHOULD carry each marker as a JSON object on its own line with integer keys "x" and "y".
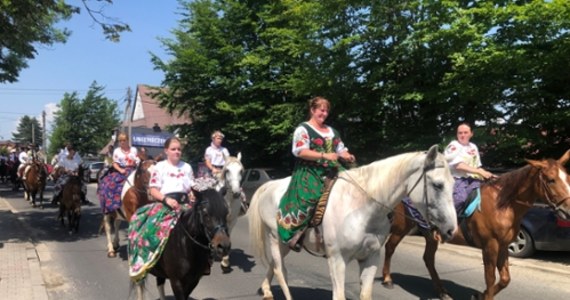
{"x": 296, "y": 241}
{"x": 472, "y": 202}
{"x": 322, "y": 204}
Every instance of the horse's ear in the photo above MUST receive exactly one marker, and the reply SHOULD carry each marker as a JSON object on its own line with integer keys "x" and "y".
{"x": 537, "y": 163}
{"x": 239, "y": 156}
{"x": 431, "y": 155}
{"x": 564, "y": 159}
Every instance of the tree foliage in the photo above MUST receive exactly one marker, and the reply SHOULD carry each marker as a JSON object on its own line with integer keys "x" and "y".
{"x": 86, "y": 123}
{"x": 28, "y": 131}
{"x": 27, "y": 24}
{"x": 400, "y": 74}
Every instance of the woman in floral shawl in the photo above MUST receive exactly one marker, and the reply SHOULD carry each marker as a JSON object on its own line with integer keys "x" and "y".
{"x": 317, "y": 148}
{"x": 171, "y": 184}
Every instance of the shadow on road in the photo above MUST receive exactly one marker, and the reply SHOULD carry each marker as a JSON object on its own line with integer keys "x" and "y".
{"x": 422, "y": 288}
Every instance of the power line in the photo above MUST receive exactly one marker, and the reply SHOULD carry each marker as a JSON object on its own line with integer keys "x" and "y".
{"x": 55, "y": 90}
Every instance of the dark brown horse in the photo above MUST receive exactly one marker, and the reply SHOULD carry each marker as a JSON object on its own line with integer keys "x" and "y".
{"x": 198, "y": 234}
{"x": 496, "y": 224}
{"x": 134, "y": 195}
{"x": 70, "y": 203}
{"x": 35, "y": 183}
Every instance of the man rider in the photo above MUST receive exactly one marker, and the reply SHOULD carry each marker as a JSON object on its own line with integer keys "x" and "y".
{"x": 24, "y": 159}
{"x": 70, "y": 164}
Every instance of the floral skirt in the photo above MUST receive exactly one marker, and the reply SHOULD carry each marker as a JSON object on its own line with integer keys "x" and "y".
{"x": 109, "y": 191}
{"x": 148, "y": 233}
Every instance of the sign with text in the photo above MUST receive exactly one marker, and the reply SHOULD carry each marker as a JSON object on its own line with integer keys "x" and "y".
{"x": 150, "y": 139}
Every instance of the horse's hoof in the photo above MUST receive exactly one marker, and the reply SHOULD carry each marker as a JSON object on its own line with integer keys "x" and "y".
{"x": 388, "y": 284}
{"x": 111, "y": 254}
{"x": 226, "y": 270}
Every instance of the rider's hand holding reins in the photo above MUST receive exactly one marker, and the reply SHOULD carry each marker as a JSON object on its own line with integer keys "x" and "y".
{"x": 172, "y": 203}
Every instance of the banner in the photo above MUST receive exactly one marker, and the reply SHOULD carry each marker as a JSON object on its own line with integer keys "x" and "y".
{"x": 150, "y": 140}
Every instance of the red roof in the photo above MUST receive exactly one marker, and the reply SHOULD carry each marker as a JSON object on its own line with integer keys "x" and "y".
{"x": 146, "y": 112}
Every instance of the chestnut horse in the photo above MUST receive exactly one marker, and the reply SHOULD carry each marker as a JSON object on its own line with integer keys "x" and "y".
{"x": 496, "y": 223}
{"x": 35, "y": 183}
{"x": 134, "y": 195}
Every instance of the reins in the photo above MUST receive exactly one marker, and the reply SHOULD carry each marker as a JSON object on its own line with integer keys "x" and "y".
{"x": 554, "y": 204}
{"x": 425, "y": 198}
{"x": 207, "y": 233}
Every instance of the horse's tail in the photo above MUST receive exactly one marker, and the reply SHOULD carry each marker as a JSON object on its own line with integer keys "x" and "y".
{"x": 257, "y": 233}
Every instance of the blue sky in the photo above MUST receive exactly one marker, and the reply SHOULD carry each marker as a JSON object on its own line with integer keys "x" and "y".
{"x": 88, "y": 57}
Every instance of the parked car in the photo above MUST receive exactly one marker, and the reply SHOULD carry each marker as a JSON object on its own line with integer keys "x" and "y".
{"x": 92, "y": 169}
{"x": 541, "y": 229}
{"x": 255, "y": 177}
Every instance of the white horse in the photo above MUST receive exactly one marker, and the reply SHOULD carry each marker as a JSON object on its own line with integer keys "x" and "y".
{"x": 230, "y": 184}
{"x": 356, "y": 223}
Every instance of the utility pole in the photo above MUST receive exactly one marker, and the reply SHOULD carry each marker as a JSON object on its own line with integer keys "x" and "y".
{"x": 44, "y": 136}
{"x": 128, "y": 116}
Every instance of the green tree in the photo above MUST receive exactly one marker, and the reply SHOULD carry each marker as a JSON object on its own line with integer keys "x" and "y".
{"x": 400, "y": 74}
{"x": 29, "y": 131}
{"x": 87, "y": 122}
{"x": 27, "y": 24}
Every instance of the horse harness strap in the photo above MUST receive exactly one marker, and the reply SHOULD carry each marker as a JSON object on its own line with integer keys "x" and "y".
{"x": 193, "y": 211}
{"x": 323, "y": 200}
{"x": 555, "y": 204}
{"x": 408, "y": 194}
{"x": 466, "y": 233}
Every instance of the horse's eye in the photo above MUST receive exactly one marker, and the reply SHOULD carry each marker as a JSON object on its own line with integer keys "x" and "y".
{"x": 438, "y": 186}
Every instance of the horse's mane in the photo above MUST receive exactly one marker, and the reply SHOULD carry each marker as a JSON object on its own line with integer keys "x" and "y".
{"x": 383, "y": 175}
{"x": 509, "y": 185}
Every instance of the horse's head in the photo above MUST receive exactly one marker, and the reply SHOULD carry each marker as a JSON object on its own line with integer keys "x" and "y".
{"x": 232, "y": 174}
{"x": 554, "y": 183}
{"x": 212, "y": 212}
{"x": 143, "y": 172}
{"x": 431, "y": 191}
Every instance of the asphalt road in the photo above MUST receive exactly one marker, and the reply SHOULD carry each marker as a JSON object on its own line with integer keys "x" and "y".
{"x": 76, "y": 266}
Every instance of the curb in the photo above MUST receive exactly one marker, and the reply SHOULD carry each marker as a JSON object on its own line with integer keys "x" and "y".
{"x": 39, "y": 290}
{"x": 529, "y": 263}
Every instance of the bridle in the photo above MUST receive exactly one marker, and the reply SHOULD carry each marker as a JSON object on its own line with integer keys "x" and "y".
{"x": 201, "y": 209}
{"x": 548, "y": 191}
{"x": 144, "y": 188}
{"x": 225, "y": 169}
{"x": 424, "y": 198}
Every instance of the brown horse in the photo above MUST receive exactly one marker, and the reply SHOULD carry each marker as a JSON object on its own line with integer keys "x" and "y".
{"x": 495, "y": 225}
{"x": 134, "y": 195}
{"x": 70, "y": 204}
{"x": 35, "y": 183}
